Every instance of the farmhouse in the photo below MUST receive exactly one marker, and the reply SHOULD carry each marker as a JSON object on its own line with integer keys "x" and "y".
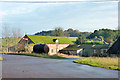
{"x": 86, "y": 50}
{"x": 100, "y": 50}
{"x": 72, "y": 50}
{"x": 30, "y": 40}
{"x": 114, "y": 50}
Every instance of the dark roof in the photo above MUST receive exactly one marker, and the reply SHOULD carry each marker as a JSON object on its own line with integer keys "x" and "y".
{"x": 86, "y": 46}
{"x": 49, "y": 39}
{"x": 72, "y": 47}
{"x": 115, "y": 48}
{"x": 105, "y": 46}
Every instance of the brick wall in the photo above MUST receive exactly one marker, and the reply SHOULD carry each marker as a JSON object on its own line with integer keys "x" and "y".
{"x": 52, "y": 48}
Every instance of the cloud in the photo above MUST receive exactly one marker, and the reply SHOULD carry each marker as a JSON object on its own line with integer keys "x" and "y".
{"x": 85, "y": 16}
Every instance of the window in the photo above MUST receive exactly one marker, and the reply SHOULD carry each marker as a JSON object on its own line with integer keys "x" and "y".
{"x": 103, "y": 51}
{"x": 94, "y": 51}
{"x": 51, "y": 50}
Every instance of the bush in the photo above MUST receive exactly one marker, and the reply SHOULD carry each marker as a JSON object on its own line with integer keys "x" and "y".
{"x": 93, "y": 42}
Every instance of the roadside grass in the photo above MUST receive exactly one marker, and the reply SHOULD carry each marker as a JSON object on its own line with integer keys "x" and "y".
{"x": 37, "y": 55}
{"x": 103, "y": 62}
{"x": 1, "y": 58}
{"x": 57, "y": 56}
{"x": 68, "y": 56}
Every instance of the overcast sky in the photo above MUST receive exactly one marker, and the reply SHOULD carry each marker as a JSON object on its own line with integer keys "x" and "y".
{"x": 84, "y": 16}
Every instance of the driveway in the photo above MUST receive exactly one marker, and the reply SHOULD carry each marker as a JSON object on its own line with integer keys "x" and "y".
{"x": 16, "y": 66}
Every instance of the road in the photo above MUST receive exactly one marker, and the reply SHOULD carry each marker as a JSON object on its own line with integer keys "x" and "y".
{"x": 16, "y": 66}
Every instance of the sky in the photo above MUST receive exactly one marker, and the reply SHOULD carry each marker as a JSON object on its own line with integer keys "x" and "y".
{"x": 36, "y": 17}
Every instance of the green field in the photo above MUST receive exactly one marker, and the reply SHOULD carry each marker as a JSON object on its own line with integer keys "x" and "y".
{"x": 104, "y": 62}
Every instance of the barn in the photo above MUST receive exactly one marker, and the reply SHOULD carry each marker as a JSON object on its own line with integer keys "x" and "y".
{"x": 86, "y": 50}
{"x": 72, "y": 50}
{"x": 114, "y": 50}
{"x": 49, "y": 41}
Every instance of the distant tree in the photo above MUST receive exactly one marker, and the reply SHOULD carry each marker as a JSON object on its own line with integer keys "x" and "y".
{"x": 16, "y": 34}
{"x": 44, "y": 33}
{"x": 80, "y": 39}
{"x": 6, "y": 36}
{"x": 102, "y": 38}
{"x": 58, "y": 32}
{"x": 110, "y": 41}
{"x": 108, "y": 35}
{"x": 70, "y": 30}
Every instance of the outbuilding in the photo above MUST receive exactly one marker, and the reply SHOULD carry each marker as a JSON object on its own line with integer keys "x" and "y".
{"x": 114, "y": 50}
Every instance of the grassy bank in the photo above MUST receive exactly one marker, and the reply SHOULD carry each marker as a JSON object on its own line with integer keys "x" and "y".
{"x": 58, "y": 56}
{"x": 104, "y": 62}
{"x": 37, "y": 55}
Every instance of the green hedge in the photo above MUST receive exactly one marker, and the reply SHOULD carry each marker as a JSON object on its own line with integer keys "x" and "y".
{"x": 93, "y": 42}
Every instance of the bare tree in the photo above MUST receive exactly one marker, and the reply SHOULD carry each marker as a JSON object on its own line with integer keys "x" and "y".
{"x": 10, "y": 36}
{"x": 19, "y": 33}
{"x": 16, "y": 34}
{"x": 6, "y": 36}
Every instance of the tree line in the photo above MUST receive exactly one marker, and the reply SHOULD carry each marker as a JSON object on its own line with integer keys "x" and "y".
{"x": 107, "y": 35}
{"x": 58, "y": 31}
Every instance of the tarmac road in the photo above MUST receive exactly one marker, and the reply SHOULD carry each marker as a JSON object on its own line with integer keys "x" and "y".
{"x": 16, "y": 66}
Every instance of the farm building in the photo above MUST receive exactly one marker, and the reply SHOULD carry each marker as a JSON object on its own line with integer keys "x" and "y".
{"x": 86, "y": 50}
{"x": 98, "y": 39}
{"x": 48, "y": 42}
{"x": 114, "y": 50}
{"x": 100, "y": 50}
{"x": 72, "y": 50}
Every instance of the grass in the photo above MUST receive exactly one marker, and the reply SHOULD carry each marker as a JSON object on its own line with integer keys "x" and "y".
{"x": 68, "y": 56}
{"x": 103, "y": 62}
{"x": 1, "y": 58}
{"x": 57, "y": 56}
{"x": 38, "y": 55}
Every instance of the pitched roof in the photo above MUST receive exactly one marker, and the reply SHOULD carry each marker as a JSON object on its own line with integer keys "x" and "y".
{"x": 115, "y": 48}
{"x": 105, "y": 46}
{"x": 72, "y": 47}
{"x": 49, "y": 39}
{"x": 86, "y": 46}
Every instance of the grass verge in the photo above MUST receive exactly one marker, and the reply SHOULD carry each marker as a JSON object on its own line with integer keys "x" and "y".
{"x": 37, "y": 55}
{"x": 57, "y": 56}
{"x": 1, "y": 58}
{"x": 103, "y": 62}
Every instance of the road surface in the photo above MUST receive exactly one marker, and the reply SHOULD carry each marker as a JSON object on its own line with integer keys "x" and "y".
{"x": 16, "y": 66}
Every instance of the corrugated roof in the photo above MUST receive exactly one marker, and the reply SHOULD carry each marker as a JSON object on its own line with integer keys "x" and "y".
{"x": 48, "y": 39}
